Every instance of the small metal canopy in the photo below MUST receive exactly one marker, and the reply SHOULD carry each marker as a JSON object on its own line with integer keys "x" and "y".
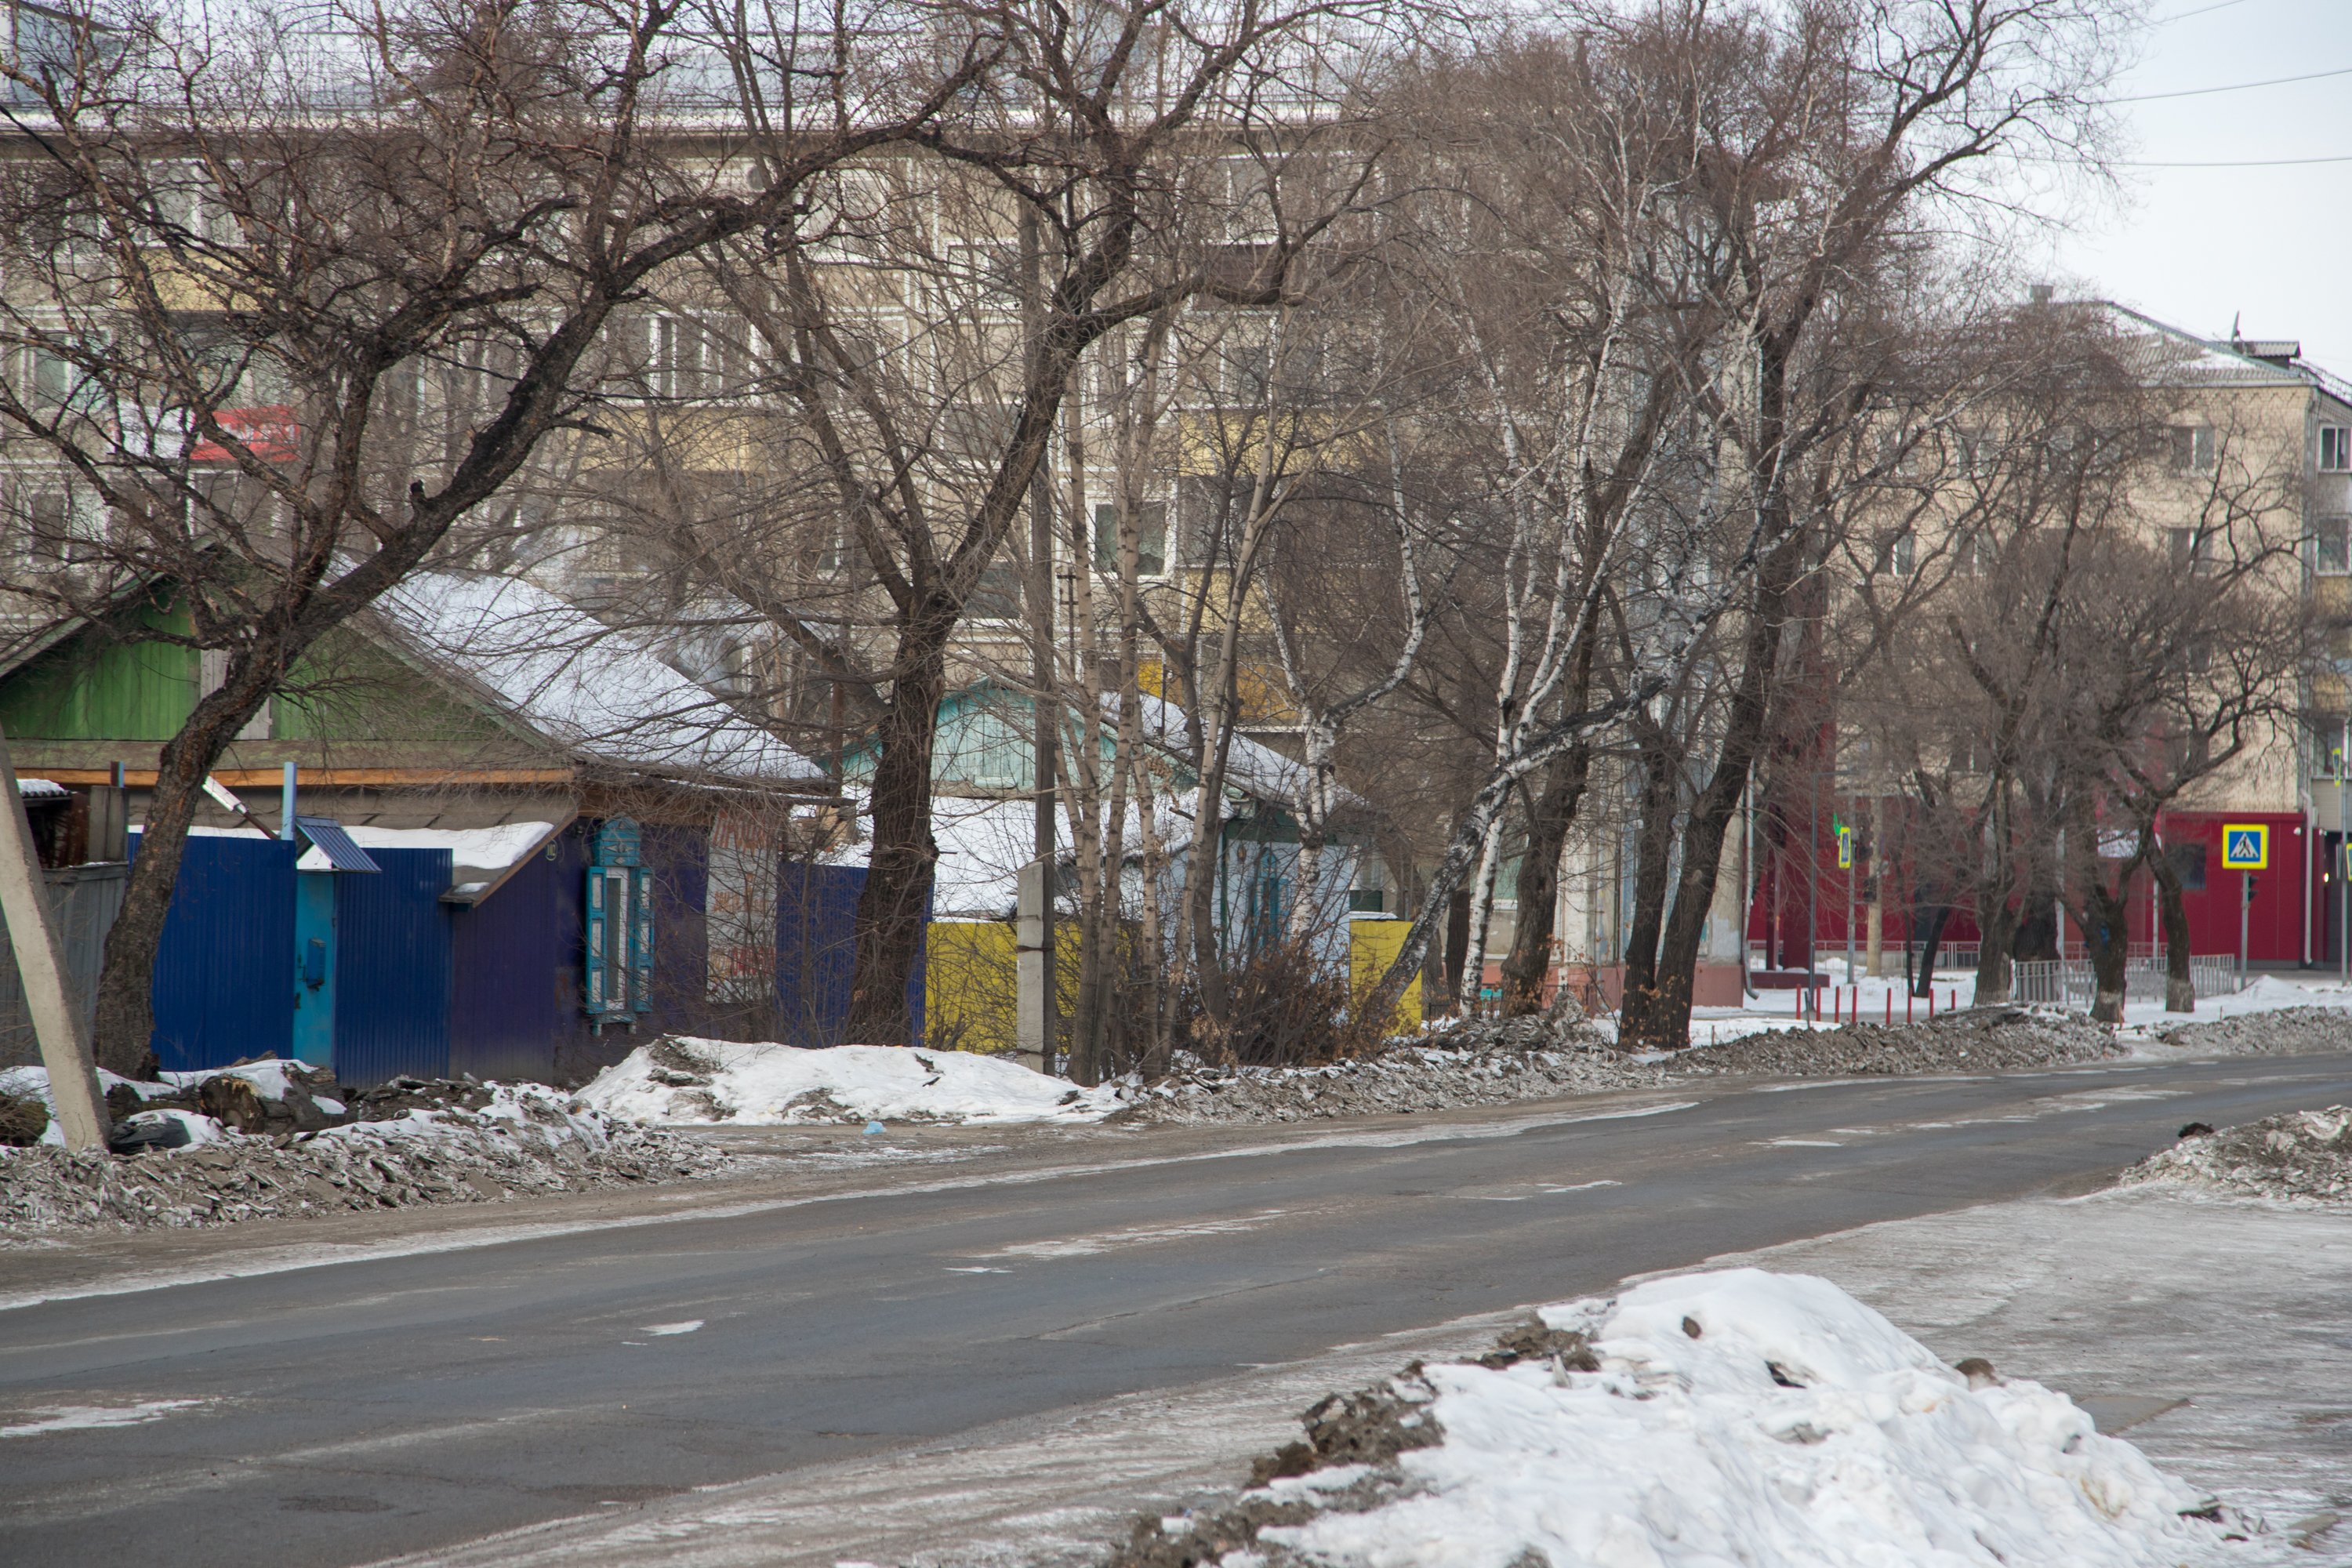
{"x": 343, "y": 852}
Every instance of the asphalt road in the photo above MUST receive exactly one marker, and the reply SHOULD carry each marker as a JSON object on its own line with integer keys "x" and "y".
{"x": 349, "y": 1413}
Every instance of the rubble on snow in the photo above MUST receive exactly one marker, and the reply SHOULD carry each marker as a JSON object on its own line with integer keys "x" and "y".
{"x": 264, "y": 1141}
{"x": 2303, "y": 1157}
{"x": 1492, "y": 1067}
{"x": 1977, "y": 1039}
{"x": 2282, "y": 1032}
{"x": 1733, "y": 1416}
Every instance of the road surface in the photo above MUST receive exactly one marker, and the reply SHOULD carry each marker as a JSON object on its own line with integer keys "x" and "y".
{"x": 359, "y": 1409}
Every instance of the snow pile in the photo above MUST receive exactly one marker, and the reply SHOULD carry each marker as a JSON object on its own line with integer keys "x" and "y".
{"x": 511, "y": 1139}
{"x": 1743, "y": 1417}
{"x": 2304, "y": 1157}
{"x": 1402, "y": 1079}
{"x": 1978, "y": 1039}
{"x": 683, "y": 1080}
{"x": 2286, "y": 1031}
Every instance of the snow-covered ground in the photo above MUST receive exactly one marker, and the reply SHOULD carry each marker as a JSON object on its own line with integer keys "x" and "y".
{"x": 1858, "y": 998}
{"x": 502, "y": 1139}
{"x": 2208, "y": 1332}
{"x": 688, "y": 1081}
{"x": 1738, "y": 1416}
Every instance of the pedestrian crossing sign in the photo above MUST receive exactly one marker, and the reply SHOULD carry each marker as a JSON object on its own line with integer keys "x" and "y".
{"x": 2245, "y": 846}
{"x": 1845, "y": 848}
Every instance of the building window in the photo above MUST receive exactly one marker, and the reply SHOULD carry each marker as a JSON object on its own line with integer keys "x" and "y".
{"x": 2187, "y": 865}
{"x": 997, "y": 596}
{"x": 1151, "y": 538}
{"x": 2335, "y": 449}
{"x": 1897, "y": 553}
{"x": 2192, "y": 549}
{"x": 2331, "y": 547}
{"x": 2326, "y": 733}
{"x": 618, "y": 941}
{"x": 2192, "y": 449}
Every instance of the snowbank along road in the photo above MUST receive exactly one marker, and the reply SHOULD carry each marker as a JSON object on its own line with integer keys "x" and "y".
{"x": 412, "y": 1400}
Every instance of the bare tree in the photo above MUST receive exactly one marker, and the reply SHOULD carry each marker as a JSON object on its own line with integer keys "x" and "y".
{"x": 247, "y": 262}
{"x": 1088, "y": 152}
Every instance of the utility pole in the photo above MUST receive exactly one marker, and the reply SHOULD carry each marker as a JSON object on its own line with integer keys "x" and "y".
{"x": 57, "y": 1022}
{"x": 1039, "y": 1013}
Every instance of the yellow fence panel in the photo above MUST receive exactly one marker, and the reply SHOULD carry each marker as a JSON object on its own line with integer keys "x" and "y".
{"x": 1372, "y": 946}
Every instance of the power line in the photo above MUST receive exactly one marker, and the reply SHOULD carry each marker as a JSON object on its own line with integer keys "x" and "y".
{"x": 2236, "y": 162}
{"x": 2184, "y": 15}
{"x": 2233, "y": 87}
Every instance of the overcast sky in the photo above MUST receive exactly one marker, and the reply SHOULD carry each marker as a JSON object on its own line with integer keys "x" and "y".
{"x": 2198, "y": 248}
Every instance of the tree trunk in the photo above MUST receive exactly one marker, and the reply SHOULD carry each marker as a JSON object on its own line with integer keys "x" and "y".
{"x": 1932, "y": 937}
{"x": 125, "y": 1025}
{"x": 1653, "y": 859}
{"x": 2179, "y": 986}
{"x": 1457, "y": 943}
{"x": 1553, "y": 815}
{"x": 2105, "y": 933}
{"x": 1996, "y": 925}
{"x": 1666, "y": 1025}
{"x": 2037, "y": 921}
{"x": 897, "y": 888}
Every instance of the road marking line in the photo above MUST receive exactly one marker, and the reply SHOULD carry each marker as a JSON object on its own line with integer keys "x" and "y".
{"x": 325, "y": 1255}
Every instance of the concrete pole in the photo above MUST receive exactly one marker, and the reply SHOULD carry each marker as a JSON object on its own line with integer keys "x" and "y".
{"x": 1033, "y": 1021}
{"x": 40, "y": 962}
{"x": 1040, "y": 1008}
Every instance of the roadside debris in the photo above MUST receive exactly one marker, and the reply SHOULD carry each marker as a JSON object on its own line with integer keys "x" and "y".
{"x": 1403, "y": 1079}
{"x": 1979, "y": 1039}
{"x": 2304, "y": 1157}
{"x": 1795, "y": 1430}
{"x": 264, "y": 1140}
{"x": 2279, "y": 1032}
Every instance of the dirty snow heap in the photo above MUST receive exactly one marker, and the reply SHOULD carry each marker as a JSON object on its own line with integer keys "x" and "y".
{"x": 2304, "y": 1157}
{"x": 1742, "y": 1416}
{"x": 1979, "y": 1039}
{"x": 410, "y": 1142}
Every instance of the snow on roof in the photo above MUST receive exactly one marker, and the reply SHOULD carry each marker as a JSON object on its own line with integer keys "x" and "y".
{"x": 982, "y": 844}
{"x": 2166, "y": 355}
{"x": 567, "y": 676}
{"x": 1254, "y": 768}
{"x": 486, "y": 850}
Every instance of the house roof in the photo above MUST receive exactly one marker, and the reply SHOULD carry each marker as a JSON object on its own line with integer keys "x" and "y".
{"x": 2169, "y": 356}
{"x": 561, "y": 674}
{"x": 1251, "y": 767}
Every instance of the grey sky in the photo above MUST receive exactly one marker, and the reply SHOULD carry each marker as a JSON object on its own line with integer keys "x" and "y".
{"x": 2197, "y": 247}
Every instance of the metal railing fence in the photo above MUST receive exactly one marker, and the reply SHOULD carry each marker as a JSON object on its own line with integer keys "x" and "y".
{"x": 2069, "y": 983}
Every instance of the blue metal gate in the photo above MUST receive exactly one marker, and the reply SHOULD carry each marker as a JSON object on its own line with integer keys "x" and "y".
{"x": 816, "y": 951}
{"x": 392, "y": 968}
{"x": 224, "y": 985}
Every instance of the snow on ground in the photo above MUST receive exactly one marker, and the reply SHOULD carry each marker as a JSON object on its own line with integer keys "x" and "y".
{"x": 1861, "y": 999}
{"x": 498, "y": 1139}
{"x": 688, "y": 1080}
{"x": 685, "y": 1081}
{"x": 2208, "y": 1333}
{"x": 1695, "y": 1421}
{"x": 2303, "y": 1157}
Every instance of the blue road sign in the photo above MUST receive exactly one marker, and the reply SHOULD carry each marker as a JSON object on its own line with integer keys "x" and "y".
{"x": 2245, "y": 846}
